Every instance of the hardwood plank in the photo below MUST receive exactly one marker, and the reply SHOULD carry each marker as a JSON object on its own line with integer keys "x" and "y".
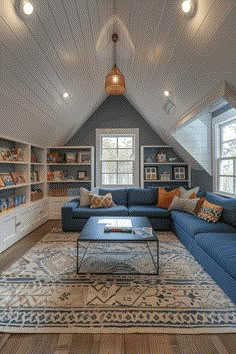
{"x": 229, "y": 341}
{"x": 3, "y": 339}
{"x": 162, "y": 343}
{"x": 136, "y": 343}
{"x": 30, "y": 343}
{"x": 194, "y": 344}
{"x": 82, "y": 343}
{"x": 111, "y": 343}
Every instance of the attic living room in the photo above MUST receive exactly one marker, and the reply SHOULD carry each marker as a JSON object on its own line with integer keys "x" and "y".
{"x": 118, "y": 176}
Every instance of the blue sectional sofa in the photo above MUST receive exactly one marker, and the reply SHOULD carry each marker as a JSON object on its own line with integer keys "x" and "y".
{"x": 213, "y": 245}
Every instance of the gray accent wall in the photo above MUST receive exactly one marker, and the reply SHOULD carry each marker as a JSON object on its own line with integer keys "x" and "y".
{"x": 115, "y": 112}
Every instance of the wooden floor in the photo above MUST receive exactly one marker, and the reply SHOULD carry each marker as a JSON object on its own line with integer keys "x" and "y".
{"x": 104, "y": 343}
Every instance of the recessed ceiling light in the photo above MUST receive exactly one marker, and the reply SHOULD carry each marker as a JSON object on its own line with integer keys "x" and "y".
{"x": 167, "y": 93}
{"x": 65, "y": 94}
{"x": 28, "y": 8}
{"x": 186, "y": 6}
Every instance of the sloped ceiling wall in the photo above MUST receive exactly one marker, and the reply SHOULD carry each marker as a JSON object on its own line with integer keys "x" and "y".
{"x": 66, "y": 46}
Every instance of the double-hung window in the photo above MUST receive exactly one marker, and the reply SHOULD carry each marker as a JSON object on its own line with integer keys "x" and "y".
{"x": 117, "y": 157}
{"x": 225, "y": 179}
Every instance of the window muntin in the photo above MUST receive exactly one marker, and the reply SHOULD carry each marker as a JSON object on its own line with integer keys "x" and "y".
{"x": 226, "y": 161}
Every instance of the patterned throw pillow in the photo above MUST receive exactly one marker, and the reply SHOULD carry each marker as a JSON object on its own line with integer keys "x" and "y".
{"x": 190, "y": 193}
{"x": 85, "y": 196}
{"x": 184, "y": 204}
{"x": 210, "y": 212}
{"x": 101, "y": 201}
{"x": 165, "y": 198}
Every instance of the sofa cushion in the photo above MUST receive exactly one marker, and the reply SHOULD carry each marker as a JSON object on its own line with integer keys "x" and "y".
{"x": 86, "y": 212}
{"x": 221, "y": 247}
{"x": 142, "y": 196}
{"x": 119, "y": 195}
{"x": 192, "y": 225}
{"x": 150, "y": 211}
{"x": 229, "y": 207}
{"x": 210, "y": 212}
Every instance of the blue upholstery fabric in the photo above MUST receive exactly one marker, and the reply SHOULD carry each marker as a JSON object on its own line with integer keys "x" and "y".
{"x": 142, "y": 196}
{"x": 86, "y": 212}
{"x": 222, "y": 248}
{"x": 119, "y": 195}
{"x": 148, "y": 210}
{"x": 229, "y": 205}
{"x": 193, "y": 225}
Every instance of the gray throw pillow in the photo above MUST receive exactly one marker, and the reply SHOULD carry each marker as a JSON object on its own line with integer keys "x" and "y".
{"x": 184, "y": 204}
{"x": 85, "y": 196}
{"x": 184, "y": 193}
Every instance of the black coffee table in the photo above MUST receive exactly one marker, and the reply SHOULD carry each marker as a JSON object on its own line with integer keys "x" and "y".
{"x": 93, "y": 231}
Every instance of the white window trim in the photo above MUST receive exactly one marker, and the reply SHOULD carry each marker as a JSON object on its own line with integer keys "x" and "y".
{"x": 221, "y": 119}
{"x": 133, "y": 131}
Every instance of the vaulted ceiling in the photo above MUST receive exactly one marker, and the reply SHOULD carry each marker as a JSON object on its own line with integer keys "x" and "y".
{"x": 65, "y": 45}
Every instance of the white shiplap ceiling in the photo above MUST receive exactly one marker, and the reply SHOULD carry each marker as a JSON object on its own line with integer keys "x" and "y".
{"x": 66, "y": 46}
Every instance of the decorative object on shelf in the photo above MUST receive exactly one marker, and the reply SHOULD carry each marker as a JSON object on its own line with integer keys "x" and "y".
{"x": 7, "y": 179}
{"x": 36, "y": 194}
{"x": 83, "y": 157}
{"x": 18, "y": 178}
{"x": 5, "y": 153}
{"x": 150, "y": 173}
{"x": 172, "y": 159}
{"x": 179, "y": 173}
{"x": 11, "y": 202}
{"x": 115, "y": 81}
{"x": 149, "y": 159}
{"x": 70, "y": 157}
{"x": 53, "y": 157}
{"x": 34, "y": 176}
{"x": 58, "y": 192}
{"x": 161, "y": 156}
{"x": 49, "y": 176}
{"x": 165, "y": 176}
{"x": 81, "y": 175}
{"x": 58, "y": 176}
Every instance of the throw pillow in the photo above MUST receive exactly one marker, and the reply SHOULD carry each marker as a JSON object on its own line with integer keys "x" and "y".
{"x": 184, "y": 193}
{"x": 85, "y": 196}
{"x": 210, "y": 212}
{"x": 101, "y": 201}
{"x": 184, "y": 204}
{"x": 199, "y": 204}
{"x": 165, "y": 198}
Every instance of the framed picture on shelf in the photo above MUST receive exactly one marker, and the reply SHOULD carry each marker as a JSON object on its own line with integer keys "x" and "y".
{"x": 34, "y": 176}
{"x": 179, "y": 173}
{"x": 70, "y": 157}
{"x": 81, "y": 175}
{"x": 150, "y": 173}
{"x": 84, "y": 157}
{"x": 18, "y": 178}
{"x": 7, "y": 179}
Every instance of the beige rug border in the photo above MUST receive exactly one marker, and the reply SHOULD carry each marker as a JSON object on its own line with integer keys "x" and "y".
{"x": 111, "y": 330}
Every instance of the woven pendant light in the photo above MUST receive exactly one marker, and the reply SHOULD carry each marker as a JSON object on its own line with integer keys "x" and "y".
{"x": 115, "y": 81}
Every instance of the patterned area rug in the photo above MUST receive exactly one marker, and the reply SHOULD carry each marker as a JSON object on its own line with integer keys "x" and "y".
{"x": 42, "y": 292}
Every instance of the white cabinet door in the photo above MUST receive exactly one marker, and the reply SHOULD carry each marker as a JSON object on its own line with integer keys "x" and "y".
{"x": 23, "y": 222}
{"x": 8, "y": 232}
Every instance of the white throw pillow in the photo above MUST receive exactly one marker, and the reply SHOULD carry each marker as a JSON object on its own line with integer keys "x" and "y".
{"x": 184, "y": 204}
{"x": 85, "y": 196}
{"x": 183, "y": 193}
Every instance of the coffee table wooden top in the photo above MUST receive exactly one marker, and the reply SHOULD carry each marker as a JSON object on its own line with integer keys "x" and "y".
{"x": 94, "y": 231}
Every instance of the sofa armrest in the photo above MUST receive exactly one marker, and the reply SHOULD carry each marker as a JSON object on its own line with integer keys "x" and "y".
{"x": 74, "y": 203}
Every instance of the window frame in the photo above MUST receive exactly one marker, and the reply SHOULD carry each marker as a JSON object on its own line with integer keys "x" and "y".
{"x": 218, "y": 123}
{"x": 117, "y": 132}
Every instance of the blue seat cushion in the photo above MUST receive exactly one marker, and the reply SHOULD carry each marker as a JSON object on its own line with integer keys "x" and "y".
{"x": 192, "y": 225}
{"x": 119, "y": 195}
{"x": 228, "y": 204}
{"x": 142, "y": 196}
{"x": 86, "y": 212}
{"x": 150, "y": 211}
{"x": 221, "y": 247}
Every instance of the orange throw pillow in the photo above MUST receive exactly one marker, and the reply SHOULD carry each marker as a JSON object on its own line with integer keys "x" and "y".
{"x": 192, "y": 196}
{"x": 165, "y": 198}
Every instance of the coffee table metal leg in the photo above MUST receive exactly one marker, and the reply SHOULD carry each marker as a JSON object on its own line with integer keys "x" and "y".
{"x": 78, "y": 267}
{"x": 153, "y": 260}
